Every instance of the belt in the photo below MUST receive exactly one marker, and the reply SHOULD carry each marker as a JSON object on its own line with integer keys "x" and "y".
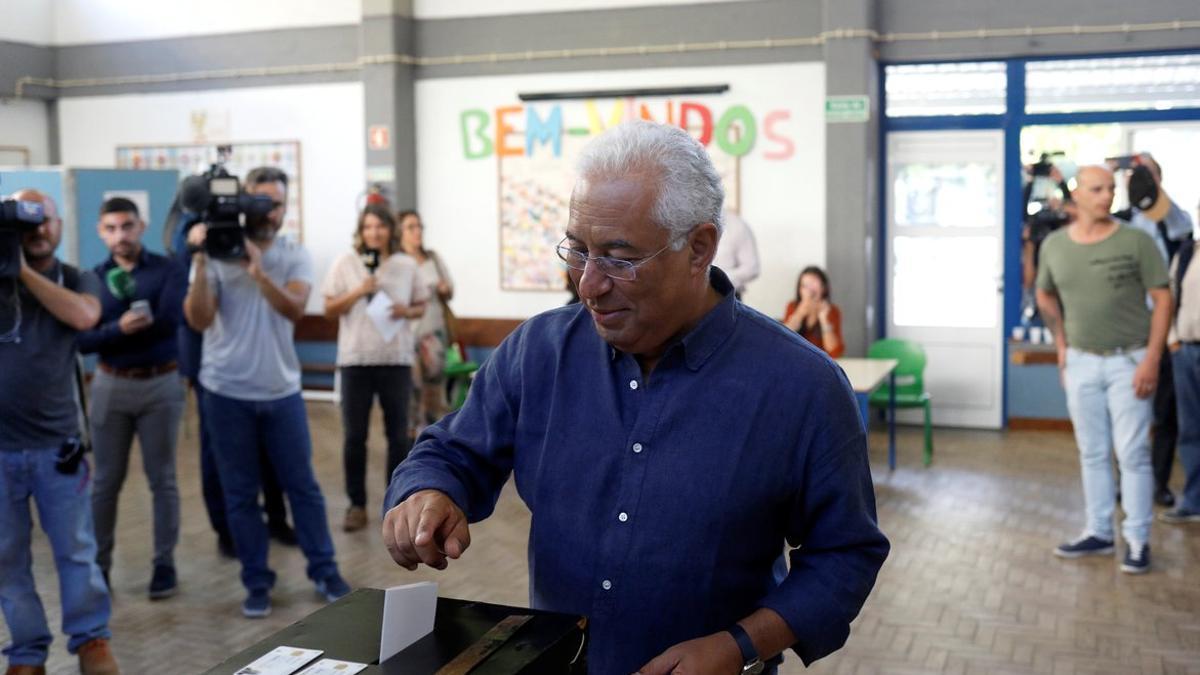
{"x": 140, "y": 372}
{"x": 1117, "y": 351}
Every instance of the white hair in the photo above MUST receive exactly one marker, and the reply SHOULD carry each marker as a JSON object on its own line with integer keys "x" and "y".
{"x": 689, "y": 189}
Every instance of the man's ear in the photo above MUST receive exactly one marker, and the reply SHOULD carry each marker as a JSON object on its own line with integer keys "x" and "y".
{"x": 702, "y": 247}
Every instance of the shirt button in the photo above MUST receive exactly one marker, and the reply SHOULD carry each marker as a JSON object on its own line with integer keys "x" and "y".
{"x": 637, "y": 447}
{"x": 606, "y": 585}
{"x": 633, "y": 384}
{"x": 623, "y": 516}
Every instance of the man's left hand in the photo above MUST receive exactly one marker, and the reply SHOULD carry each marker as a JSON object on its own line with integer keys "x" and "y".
{"x": 715, "y": 654}
{"x": 1145, "y": 378}
{"x": 254, "y": 261}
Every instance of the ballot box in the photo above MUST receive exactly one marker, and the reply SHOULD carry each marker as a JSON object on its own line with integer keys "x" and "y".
{"x": 468, "y": 637}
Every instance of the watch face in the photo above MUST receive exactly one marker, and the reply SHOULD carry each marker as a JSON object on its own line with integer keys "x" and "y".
{"x": 754, "y": 667}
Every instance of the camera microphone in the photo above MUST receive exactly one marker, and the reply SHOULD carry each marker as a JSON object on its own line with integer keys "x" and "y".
{"x": 193, "y": 194}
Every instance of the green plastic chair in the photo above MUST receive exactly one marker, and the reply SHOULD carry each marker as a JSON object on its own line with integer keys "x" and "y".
{"x": 458, "y": 374}
{"x": 910, "y": 382}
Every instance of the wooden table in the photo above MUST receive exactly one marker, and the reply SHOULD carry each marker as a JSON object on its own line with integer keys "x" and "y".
{"x": 866, "y": 375}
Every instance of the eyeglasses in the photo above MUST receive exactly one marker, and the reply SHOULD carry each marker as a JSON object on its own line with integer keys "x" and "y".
{"x": 616, "y": 268}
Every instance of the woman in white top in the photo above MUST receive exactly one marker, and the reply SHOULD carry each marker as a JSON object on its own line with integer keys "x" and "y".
{"x": 373, "y": 290}
{"x": 431, "y": 404}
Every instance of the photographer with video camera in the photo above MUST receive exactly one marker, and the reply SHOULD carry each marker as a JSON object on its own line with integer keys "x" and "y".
{"x": 1153, "y": 212}
{"x": 189, "y": 209}
{"x": 136, "y": 387}
{"x": 44, "y": 304}
{"x": 246, "y": 306}
{"x": 1048, "y": 207}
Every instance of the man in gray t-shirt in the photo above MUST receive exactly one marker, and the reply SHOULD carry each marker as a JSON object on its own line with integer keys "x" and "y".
{"x": 249, "y": 351}
{"x": 42, "y": 311}
{"x": 246, "y": 309}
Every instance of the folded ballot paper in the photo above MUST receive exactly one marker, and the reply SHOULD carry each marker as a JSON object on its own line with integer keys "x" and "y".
{"x": 408, "y": 613}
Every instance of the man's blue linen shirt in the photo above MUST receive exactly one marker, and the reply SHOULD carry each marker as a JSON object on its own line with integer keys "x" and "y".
{"x": 659, "y": 506}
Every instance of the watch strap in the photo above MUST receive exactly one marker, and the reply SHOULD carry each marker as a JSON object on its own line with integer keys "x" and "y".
{"x": 744, "y": 643}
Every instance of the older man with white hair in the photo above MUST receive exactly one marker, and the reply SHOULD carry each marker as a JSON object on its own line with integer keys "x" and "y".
{"x": 669, "y": 441}
{"x": 1109, "y": 348}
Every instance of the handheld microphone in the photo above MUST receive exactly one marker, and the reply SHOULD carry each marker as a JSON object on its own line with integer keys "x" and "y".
{"x": 370, "y": 259}
{"x": 120, "y": 283}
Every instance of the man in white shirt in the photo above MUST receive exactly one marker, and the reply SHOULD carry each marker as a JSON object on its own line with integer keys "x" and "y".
{"x": 737, "y": 254}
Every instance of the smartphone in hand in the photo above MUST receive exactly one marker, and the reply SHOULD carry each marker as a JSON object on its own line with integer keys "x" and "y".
{"x": 142, "y": 307}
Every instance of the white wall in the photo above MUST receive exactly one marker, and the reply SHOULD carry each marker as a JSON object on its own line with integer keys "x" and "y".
{"x": 327, "y": 119}
{"x": 24, "y": 123}
{"x": 90, "y": 21}
{"x": 783, "y": 200}
{"x": 443, "y": 9}
{"x": 27, "y": 21}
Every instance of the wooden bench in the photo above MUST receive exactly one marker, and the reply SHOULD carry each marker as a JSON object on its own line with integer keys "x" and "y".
{"x": 316, "y": 345}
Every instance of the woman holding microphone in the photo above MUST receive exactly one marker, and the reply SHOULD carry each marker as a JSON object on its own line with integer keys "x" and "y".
{"x": 373, "y": 291}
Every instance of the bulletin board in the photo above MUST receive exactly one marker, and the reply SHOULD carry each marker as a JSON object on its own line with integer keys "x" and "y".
{"x": 195, "y": 158}
{"x": 535, "y": 199}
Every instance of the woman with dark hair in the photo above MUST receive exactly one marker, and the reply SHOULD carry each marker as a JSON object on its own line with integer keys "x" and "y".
{"x": 812, "y": 315}
{"x": 371, "y": 363}
{"x": 434, "y": 332}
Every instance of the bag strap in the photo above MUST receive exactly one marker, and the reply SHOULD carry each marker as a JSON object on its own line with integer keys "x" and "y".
{"x": 1181, "y": 267}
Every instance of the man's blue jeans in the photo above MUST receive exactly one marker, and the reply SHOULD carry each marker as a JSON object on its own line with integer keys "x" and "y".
{"x": 64, "y": 504}
{"x": 238, "y": 428}
{"x": 1187, "y": 397}
{"x": 1107, "y": 414}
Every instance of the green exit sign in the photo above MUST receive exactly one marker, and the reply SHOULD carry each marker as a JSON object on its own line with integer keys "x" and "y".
{"x": 840, "y": 109}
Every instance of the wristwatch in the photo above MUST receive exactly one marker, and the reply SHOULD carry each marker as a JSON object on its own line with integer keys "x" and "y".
{"x": 751, "y": 664}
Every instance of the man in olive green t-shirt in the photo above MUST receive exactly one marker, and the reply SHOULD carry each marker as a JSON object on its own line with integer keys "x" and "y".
{"x": 1109, "y": 348}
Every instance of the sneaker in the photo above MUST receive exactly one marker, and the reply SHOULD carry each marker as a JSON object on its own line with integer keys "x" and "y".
{"x": 163, "y": 584}
{"x": 1137, "y": 559}
{"x": 333, "y": 587}
{"x": 356, "y": 519}
{"x": 1179, "y": 515}
{"x": 1164, "y": 497}
{"x": 1087, "y": 545}
{"x": 95, "y": 658}
{"x": 257, "y": 604}
{"x": 282, "y": 533}
{"x": 22, "y": 669}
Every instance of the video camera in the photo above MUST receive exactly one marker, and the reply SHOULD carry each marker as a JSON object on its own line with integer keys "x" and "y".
{"x": 16, "y": 218}
{"x": 217, "y": 199}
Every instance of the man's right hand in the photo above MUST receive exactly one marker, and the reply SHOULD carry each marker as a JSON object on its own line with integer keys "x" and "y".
{"x": 428, "y": 527}
{"x": 132, "y": 322}
{"x": 196, "y": 236}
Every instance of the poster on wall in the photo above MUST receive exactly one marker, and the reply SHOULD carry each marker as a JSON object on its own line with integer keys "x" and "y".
{"x": 536, "y": 176}
{"x": 196, "y": 158}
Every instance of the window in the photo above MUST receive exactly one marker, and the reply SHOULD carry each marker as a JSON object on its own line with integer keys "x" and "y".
{"x": 946, "y": 89}
{"x": 1126, "y": 83}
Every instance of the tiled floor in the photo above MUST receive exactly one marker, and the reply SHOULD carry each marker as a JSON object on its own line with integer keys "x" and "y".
{"x": 970, "y": 587}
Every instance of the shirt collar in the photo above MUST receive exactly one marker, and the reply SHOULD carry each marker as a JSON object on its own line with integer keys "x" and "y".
{"x": 143, "y": 258}
{"x": 716, "y": 326}
{"x": 712, "y": 331}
